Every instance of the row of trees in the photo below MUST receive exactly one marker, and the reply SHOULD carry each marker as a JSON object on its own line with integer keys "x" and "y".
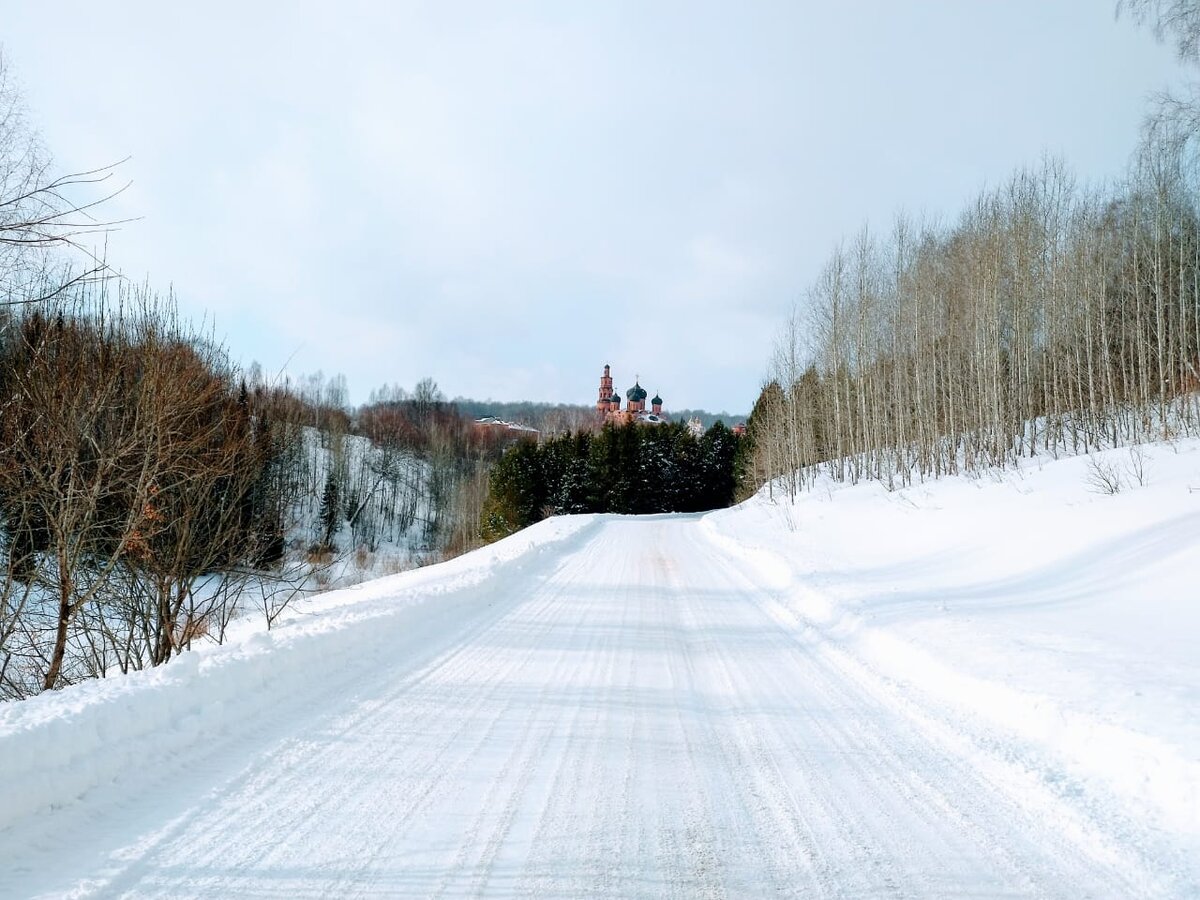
{"x": 621, "y": 469}
{"x": 1048, "y": 318}
{"x": 135, "y": 465}
{"x": 552, "y": 419}
{"x": 404, "y": 460}
{"x": 151, "y": 493}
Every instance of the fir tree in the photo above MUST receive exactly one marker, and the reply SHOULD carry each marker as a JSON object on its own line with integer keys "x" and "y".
{"x": 330, "y": 516}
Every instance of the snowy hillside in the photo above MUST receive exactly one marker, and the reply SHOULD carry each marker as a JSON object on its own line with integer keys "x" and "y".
{"x": 972, "y": 687}
{"x": 1061, "y": 618}
{"x": 383, "y": 521}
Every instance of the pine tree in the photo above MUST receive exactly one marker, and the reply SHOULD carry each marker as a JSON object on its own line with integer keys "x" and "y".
{"x": 330, "y": 516}
{"x": 717, "y": 449}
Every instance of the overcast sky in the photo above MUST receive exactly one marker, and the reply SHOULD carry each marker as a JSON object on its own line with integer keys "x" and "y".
{"x": 505, "y": 196}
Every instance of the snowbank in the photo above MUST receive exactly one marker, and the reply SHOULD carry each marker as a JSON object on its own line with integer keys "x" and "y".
{"x": 59, "y": 746}
{"x": 1062, "y": 620}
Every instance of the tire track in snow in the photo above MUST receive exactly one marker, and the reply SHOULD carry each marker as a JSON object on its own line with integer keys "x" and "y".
{"x": 513, "y": 779}
{"x": 567, "y": 805}
{"x": 267, "y": 786}
{"x": 1031, "y": 858}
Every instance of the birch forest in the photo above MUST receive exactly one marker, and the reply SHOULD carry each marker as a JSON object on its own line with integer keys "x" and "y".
{"x": 1049, "y": 317}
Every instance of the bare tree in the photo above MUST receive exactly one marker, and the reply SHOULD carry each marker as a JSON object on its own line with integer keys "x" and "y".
{"x": 74, "y": 475}
{"x": 134, "y": 471}
{"x": 1171, "y": 20}
{"x": 1046, "y": 320}
{"x": 41, "y": 211}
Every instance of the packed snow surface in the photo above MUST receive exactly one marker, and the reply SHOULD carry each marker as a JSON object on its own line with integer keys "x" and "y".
{"x": 982, "y": 688}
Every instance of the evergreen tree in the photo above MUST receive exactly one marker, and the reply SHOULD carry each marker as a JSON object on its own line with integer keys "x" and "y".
{"x": 330, "y": 516}
{"x": 717, "y": 449}
{"x": 516, "y": 494}
{"x": 573, "y": 494}
{"x": 629, "y": 469}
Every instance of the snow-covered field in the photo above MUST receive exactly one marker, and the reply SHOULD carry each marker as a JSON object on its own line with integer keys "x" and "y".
{"x": 1029, "y": 601}
{"x": 968, "y": 688}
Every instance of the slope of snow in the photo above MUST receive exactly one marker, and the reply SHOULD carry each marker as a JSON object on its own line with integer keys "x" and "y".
{"x": 394, "y": 527}
{"x": 1029, "y": 600}
{"x": 970, "y": 688}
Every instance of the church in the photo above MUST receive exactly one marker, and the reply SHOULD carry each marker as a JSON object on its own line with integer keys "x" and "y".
{"x": 608, "y": 406}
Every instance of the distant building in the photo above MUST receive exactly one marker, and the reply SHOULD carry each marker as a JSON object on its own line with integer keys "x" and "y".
{"x": 514, "y": 429}
{"x": 608, "y": 405}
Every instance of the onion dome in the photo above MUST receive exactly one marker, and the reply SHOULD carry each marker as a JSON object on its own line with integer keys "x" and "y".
{"x": 637, "y": 393}
{"x": 615, "y": 398}
{"x": 656, "y": 400}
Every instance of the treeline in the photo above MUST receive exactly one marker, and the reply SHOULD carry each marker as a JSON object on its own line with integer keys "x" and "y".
{"x": 553, "y": 419}
{"x": 151, "y": 493}
{"x": 453, "y": 457}
{"x": 134, "y": 461}
{"x": 135, "y": 465}
{"x": 548, "y": 418}
{"x": 1048, "y": 318}
{"x": 397, "y": 481}
{"x": 388, "y": 476}
{"x": 620, "y": 469}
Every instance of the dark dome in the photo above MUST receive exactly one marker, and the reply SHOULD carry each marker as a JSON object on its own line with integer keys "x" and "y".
{"x": 656, "y": 400}
{"x": 637, "y": 393}
{"x": 615, "y": 398}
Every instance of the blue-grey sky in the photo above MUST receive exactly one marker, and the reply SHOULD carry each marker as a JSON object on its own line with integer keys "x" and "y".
{"x": 506, "y": 196}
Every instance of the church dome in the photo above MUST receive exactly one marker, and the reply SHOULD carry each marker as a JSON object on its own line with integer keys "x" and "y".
{"x": 656, "y": 400}
{"x": 615, "y": 398}
{"x": 637, "y": 393}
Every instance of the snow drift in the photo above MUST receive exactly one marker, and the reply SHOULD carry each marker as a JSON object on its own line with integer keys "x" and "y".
{"x": 1032, "y": 601}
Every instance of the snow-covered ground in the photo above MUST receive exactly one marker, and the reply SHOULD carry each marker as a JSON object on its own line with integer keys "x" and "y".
{"x": 392, "y": 530}
{"x": 1031, "y": 602}
{"x": 969, "y": 688}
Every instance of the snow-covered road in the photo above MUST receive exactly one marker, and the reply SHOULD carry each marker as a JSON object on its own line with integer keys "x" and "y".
{"x": 635, "y": 717}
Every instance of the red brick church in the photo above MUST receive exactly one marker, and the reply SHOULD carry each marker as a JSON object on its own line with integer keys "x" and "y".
{"x": 608, "y": 406}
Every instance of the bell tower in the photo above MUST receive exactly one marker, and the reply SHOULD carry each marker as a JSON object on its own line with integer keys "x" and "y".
{"x": 605, "y": 404}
